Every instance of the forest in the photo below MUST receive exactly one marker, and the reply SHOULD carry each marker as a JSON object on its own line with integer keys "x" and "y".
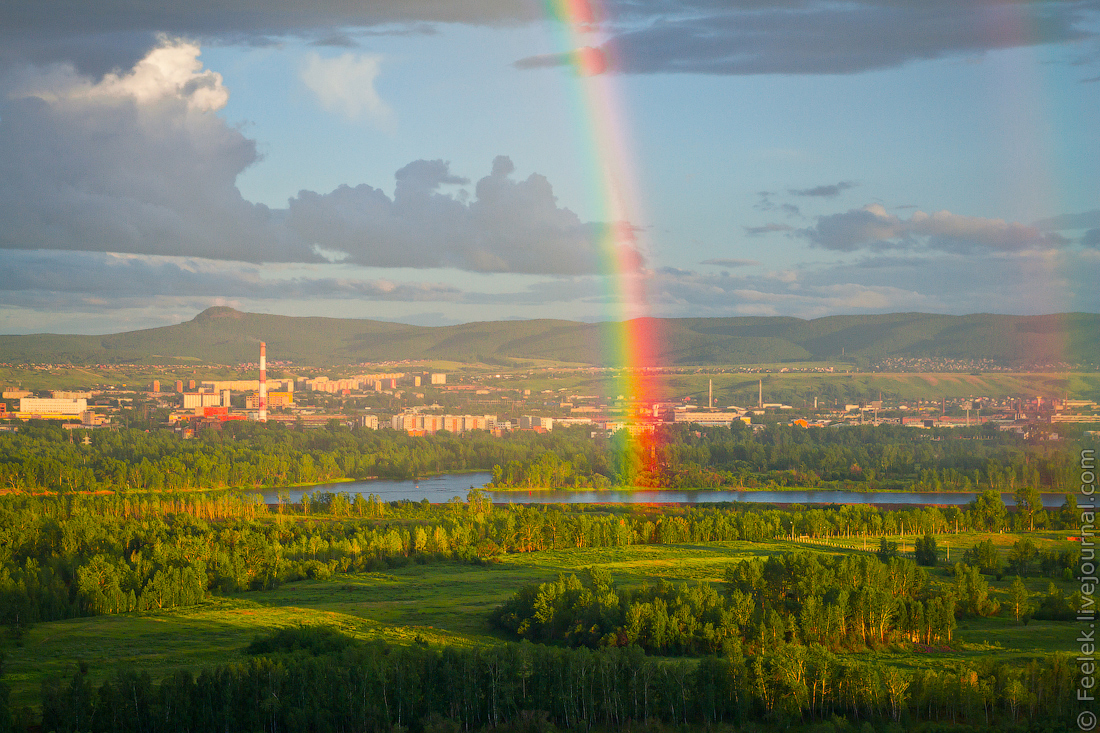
{"x": 45, "y": 458}
{"x": 853, "y": 602}
{"x": 73, "y": 555}
{"x": 309, "y": 679}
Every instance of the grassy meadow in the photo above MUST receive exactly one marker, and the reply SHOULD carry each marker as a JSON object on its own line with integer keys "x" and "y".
{"x": 799, "y": 388}
{"x": 447, "y": 603}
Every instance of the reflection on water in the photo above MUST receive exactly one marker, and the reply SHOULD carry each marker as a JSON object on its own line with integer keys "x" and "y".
{"x": 440, "y": 489}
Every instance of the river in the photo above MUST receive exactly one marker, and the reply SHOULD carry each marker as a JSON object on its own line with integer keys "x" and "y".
{"x": 440, "y": 489}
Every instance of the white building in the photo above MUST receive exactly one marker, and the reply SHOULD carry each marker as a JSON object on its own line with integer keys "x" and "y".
{"x": 706, "y": 418}
{"x": 192, "y": 400}
{"x": 414, "y": 422}
{"x": 52, "y": 406}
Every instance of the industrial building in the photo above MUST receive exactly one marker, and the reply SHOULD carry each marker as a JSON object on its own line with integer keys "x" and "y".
{"x": 707, "y": 418}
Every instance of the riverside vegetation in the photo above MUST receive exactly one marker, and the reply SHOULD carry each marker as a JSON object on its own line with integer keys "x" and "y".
{"x": 184, "y": 610}
{"x": 44, "y": 458}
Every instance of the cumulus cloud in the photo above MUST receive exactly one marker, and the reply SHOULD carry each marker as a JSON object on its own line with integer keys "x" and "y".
{"x": 873, "y": 227}
{"x": 139, "y": 162}
{"x": 828, "y": 191}
{"x": 509, "y": 226}
{"x": 345, "y": 85}
{"x": 133, "y": 162}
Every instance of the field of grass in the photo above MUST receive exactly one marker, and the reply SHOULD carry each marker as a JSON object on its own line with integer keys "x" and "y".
{"x": 447, "y": 603}
{"x": 799, "y": 389}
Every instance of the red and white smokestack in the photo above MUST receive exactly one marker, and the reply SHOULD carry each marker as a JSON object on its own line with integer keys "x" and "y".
{"x": 263, "y": 382}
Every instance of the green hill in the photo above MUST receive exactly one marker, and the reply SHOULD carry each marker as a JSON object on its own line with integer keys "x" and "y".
{"x": 226, "y": 336}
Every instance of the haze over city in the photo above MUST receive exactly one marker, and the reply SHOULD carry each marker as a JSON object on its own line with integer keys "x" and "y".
{"x": 436, "y": 163}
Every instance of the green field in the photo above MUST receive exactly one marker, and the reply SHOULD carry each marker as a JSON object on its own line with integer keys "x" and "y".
{"x": 447, "y": 604}
{"x": 798, "y": 389}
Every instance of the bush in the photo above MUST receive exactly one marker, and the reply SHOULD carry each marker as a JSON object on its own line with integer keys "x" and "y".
{"x": 313, "y": 640}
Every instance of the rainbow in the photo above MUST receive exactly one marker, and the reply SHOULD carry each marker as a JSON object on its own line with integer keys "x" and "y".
{"x": 630, "y": 338}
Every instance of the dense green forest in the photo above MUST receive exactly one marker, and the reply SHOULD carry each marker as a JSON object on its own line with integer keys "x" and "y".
{"x": 250, "y": 455}
{"x": 778, "y": 642}
{"x": 801, "y": 598}
{"x": 74, "y": 555}
{"x": 310, "y": 679}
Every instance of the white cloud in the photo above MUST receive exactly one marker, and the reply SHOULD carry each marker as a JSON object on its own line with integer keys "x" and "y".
{"x": 139, "y": 162}
{"x": 345, "y": 85}
{"x": 169, "y": 73}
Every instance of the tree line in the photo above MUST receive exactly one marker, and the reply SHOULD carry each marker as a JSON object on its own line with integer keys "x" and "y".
{"x": 45, "y": 458}
{"x": 852, "y": 602}
{"x": 305, "y": 680}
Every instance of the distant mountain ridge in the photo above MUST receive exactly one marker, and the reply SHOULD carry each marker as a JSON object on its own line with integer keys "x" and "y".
{"x": 226, "y": 336}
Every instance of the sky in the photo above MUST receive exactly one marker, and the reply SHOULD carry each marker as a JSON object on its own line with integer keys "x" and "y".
{"x": 438, "y": 162}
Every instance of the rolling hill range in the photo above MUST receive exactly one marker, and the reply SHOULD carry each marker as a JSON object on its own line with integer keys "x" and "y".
{"x": 226, "y": 336}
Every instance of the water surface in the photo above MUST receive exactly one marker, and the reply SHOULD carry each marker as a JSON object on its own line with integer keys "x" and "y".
{"x": 440, "y": 489}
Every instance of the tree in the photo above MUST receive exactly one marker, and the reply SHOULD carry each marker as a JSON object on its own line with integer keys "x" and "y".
{"x": 990, "y": 510}
{"x": 886, "y": 550}
{"x": 1018, "y": 598}
{"x": 1028, "y": 503}
{"x": 924, "y": 550}
{"x": 985, "y": 557}
{"x": 1022, "y": 555}
{"x": 1069, "y": 513}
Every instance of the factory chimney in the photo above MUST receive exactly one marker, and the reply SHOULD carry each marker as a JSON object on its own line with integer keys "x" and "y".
{"x": 263, "y": 382}
{"x": 710, "y": 395}
{"x": 761, "y": 403}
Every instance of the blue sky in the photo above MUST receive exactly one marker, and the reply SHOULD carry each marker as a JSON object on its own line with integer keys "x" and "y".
{"x": 429, "y": 162}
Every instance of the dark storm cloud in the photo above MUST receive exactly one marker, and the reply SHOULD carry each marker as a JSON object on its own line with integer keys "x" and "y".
{"x": 818, "y": 37}
{"x": 99, "y": 36}
{"x": 1091, "y": 238}
{"x": 647, "y": 36}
